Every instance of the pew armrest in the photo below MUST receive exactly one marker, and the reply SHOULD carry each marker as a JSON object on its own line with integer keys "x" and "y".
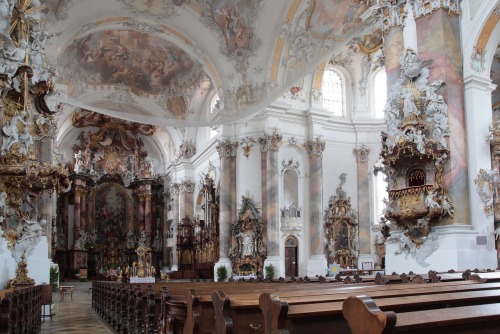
{"x": 223, "y": 320}
{"x": 364, "y": 317}
{"x": 274, "y": 312}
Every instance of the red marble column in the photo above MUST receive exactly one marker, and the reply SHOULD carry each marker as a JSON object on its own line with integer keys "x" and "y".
{"x": 77, "y": 213}
{"x": 148, "y": 218}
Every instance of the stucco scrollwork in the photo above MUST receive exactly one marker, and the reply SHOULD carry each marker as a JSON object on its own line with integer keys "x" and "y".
{"x": 486, "y": 184}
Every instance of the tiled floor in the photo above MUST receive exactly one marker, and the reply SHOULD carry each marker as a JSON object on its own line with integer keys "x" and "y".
{"x": 75, "y": 316}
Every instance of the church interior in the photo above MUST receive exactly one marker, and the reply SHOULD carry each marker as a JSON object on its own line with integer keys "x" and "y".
{"x": 300, "y": 136}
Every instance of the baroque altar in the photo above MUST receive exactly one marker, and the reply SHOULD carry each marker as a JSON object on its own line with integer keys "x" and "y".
{"x": 247, "y": 250}
{"x": 341, "y": 229}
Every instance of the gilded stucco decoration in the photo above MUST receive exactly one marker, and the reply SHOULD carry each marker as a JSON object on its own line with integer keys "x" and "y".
{"x": 486, "y": 186}
{"x": 414, "y": 153}
{"x": 246, "y": 146}
{"x": 187, "y": 149}
{"x": 425, "y": 8}
{"x": 341, "y": 228}
{"x": 115, "y": 149}
{"x": 29, "y": 105}
{"x": 290, "y": 164}
{"x": 494, "y": 140}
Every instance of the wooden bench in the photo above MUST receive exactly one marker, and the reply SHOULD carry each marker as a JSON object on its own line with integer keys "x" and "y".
{"x": 365, "y": 317}
{"x": 20, "y": 310}
{"x": 312, "y": 313}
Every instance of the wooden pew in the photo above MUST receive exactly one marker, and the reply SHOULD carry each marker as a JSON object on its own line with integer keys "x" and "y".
{"x": 313, "y": 313}
{"x": 365, "y": 317}
{"x": 20, "y": 310}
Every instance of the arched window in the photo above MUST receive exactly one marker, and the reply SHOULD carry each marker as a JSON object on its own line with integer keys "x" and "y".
{"x": 379, "y": 93}
{"x": 333, "y": 92}
{"x": 214, "y": 104}
{"x": 379, "y": 194}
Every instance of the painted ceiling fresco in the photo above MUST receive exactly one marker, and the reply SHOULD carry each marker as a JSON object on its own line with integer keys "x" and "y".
{"x": 170, "y": 57}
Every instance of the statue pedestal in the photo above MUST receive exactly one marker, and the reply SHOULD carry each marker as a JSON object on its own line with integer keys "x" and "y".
{"x": 39, "y": 262}
{"x": 457, "y": 250}
{"x": 142, "y": 279}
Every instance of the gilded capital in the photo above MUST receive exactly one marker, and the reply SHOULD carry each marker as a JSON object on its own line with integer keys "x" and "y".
{"x": 226, "y": 148}
{"x": 315, "y": 147}
{"x": 80, "y": 192}
{"x": 187, "y": 187}
{"x": 390, "y": 15}
{"x": 361, "y": 153}
{"x": 426, "y": 8}
{"x": 270, "y": 141}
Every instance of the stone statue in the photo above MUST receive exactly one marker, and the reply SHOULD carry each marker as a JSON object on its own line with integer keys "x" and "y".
{"x": 246, "y": 243}
{"x": 25, "y": 141}
{"x": 142, "y": 239}
{"x": 5, "y": 14}
{"x": 28, "y": 237}
{"x": 11, "y": 131}
{"x": 497, "y": 233}
{"x": 131, "y": 239}
{"x": 157, "y": 243}
{"x": 81, "y": 242}
{"x": 79, "y": 162}
{"x": 3, "y": 199}
{"x": 409, "y": 106}
{"x": 430, "y": 202}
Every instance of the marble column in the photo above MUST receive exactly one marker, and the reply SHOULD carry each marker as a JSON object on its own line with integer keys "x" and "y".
{"x": 227, "y": 150}
{"x": 174, "y": 192}
{"x": 315, "y": 150}
{"x": 83, "y": 211}
{"x": 186, "y": 208}
{"x": 140, "y": 212}
{"x": 364, "y": 225}
{"x": 164, "y": 213}
{"x": 317, "y": 259}
{"x": 391, "y": 19}
{"x": 79, "y": 192}
{"x": 269, "y": 144}
{"x": 438, "y": 35}
{"x": 148, "y": 218}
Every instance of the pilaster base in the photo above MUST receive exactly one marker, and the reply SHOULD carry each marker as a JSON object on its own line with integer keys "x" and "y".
{"x": 457, "y": 249}
{"x": 278, "y": 264}
{"x": 317, "y": 265}
{"x": 367, "y": 261}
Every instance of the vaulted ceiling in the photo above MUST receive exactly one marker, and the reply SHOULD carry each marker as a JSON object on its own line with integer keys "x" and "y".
{"x": 162, "y": 61}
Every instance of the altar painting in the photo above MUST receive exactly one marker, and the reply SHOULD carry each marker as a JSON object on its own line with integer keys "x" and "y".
{"x": 110, "y": 213}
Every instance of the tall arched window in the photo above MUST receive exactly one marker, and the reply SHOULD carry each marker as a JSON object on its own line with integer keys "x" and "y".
{"x": 379, "y": 194}
{"x": 379, "y": 92}
{"x": 333, "y": 92}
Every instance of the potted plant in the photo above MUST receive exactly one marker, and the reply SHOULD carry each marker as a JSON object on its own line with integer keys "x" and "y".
{"x": 221, "y": 274}
{"x": 54, "y": 276}
{"x": 269, "y": 271}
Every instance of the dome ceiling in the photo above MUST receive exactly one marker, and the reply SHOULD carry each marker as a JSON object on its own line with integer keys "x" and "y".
{"x": 162, "y": 61}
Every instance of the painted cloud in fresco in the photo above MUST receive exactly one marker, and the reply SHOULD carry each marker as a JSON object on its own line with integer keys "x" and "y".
{"x": 325, "y": 19}
{"x": 234, "y": 20}
{"x": 147, "y": 64}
